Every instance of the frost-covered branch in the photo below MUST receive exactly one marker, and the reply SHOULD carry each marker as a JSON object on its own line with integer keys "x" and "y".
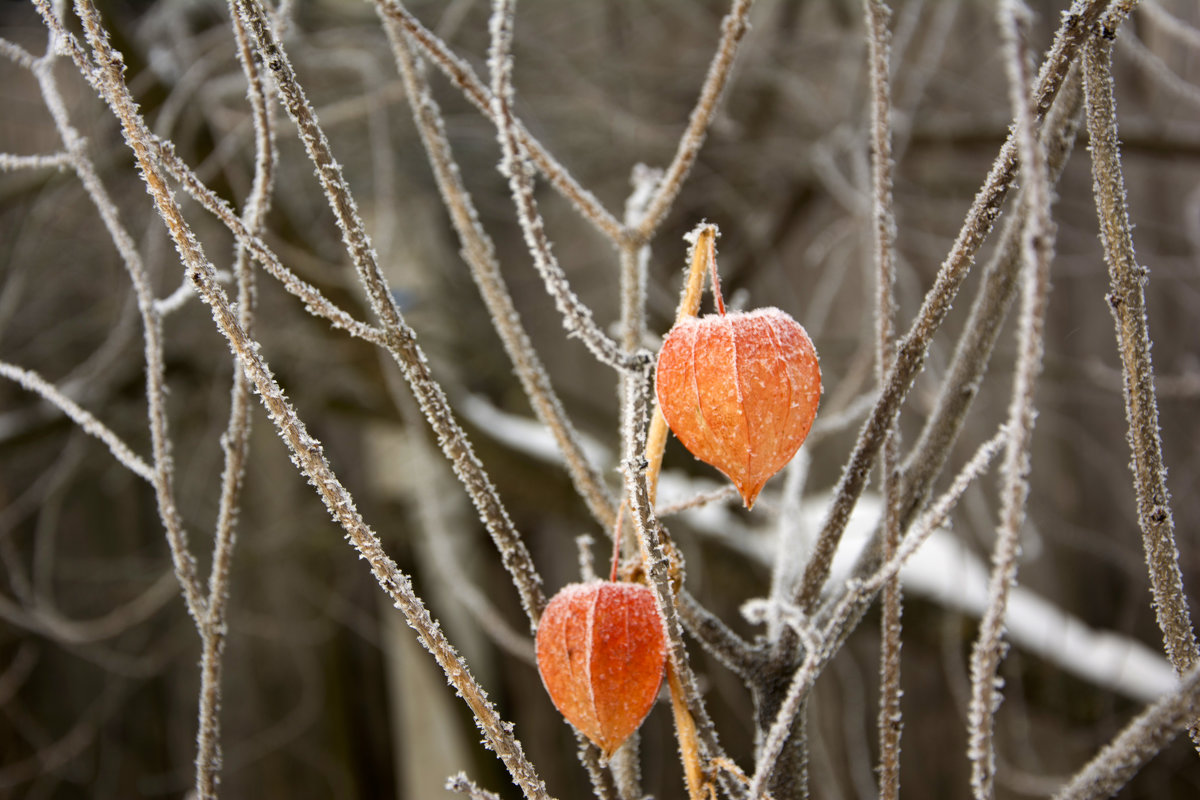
{"x": 1127, "y": 302}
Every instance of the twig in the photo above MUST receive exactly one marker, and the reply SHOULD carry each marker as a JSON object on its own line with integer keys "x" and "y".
{"x": 733, "y": 28}
{"x": 1128, "y": 305}
{"x": 164, "y": 488}
{"x": 702, "y": 253}
{"x": 1037, "y": 244}
{"x": 463, "y": 785}
{"x": 480, "y": 255}
{"x": 10, "y": 162}
{"x": 692, "y": 720}
{"x": 81, "y": 417}
{"x": 236, "y": 441}
{"x": 878, "y": 18}
{"x": 576, "y": 317}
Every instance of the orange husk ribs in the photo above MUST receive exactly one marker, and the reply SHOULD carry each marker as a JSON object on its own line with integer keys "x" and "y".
{"x": 740, "y": 391}
{"x": 600, "y": 653}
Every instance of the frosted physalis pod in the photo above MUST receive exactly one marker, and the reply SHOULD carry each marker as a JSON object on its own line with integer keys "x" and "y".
{"x": 739, "y": 390}
{"x": 601, "y": 652}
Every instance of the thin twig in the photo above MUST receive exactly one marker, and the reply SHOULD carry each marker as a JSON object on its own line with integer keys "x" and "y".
{"x": 81, "y": 417}
{"x": 1127, "y": 302}
{"x": 733, "y": 28}
{"x": 463, "y": 785}
{"x": 576, "y": 317}
{"x": 702, "y": 254}
{"x": 236, "y": 440}
{"x": 878, "y": 19}
{"x": 164, "y": 488}
{"x": 1037, "y": 244}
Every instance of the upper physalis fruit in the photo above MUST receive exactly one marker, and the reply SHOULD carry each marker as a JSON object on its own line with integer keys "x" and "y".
{"x": 740, "y": 390}
{"x": 600, "y": 652}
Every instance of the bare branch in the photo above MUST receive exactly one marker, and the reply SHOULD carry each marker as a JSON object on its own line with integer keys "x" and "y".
{"x": 733, "y": 28}
{"x": 576, "y": 317}
{"x": 1127, "y": 302}
{"x": 1036, "y": 252}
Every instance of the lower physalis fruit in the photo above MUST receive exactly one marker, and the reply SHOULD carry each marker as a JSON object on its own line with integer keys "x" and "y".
{"x": 600, "y": 652}
{"x": 740, "y": 391}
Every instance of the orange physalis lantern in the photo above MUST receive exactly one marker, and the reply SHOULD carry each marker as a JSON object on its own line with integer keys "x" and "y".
{"x": 740, "y": 391}
{"x": 600, "y": 652}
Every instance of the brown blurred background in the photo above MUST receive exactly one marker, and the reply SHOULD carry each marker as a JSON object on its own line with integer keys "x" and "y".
{"x": 326, "y": 693}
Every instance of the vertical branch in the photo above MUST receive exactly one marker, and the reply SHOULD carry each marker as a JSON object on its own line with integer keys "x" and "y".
{"x": 697, "y": 737}
{"x": 236, "y": 440}
{"x": 164, "y": 475}
{"x": 480, "y": 255}
{"x": 878, "y": 17}
{"x": 1127, "y": 302}
{"x": 1037, "y": 243}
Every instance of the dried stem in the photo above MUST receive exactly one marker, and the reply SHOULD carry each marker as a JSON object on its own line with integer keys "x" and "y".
{"x": 1037, "y": 245}
{"x": 81, "y": 417}
{"x": 702, "y": 258}
{"x": 878, "y": 18}
{"x": 1128, "y": 305}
